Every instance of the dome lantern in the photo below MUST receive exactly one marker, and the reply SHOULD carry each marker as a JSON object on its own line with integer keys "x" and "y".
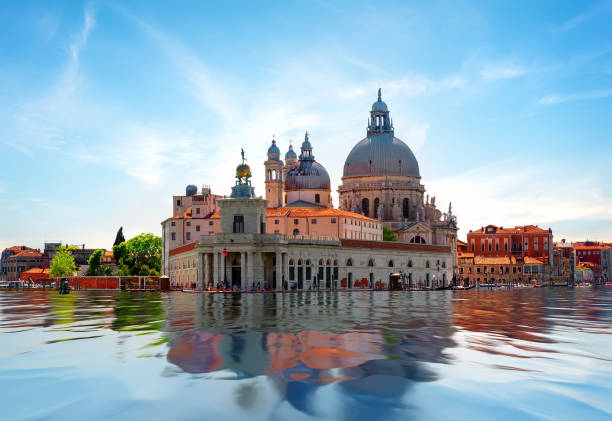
{"x": 379, "y": 117}
{"x": 273, "y": 151}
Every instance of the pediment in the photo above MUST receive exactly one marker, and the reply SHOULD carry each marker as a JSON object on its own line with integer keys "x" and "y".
{"x": 417, "y": 228}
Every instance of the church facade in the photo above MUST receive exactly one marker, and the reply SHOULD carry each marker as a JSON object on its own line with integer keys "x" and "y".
{"x": 296, "y": 239}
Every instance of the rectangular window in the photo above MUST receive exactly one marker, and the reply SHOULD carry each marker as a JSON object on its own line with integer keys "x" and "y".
{"x": 173, "y": 223}
{"x": 188, "y": 223}
{"x": 238, "y": 224}
{"x": 198, "y": 228}
{"x": 198, "y": 211}
{"x": 333, "y": 221}
{"x": 173, "y": 236}
{"x": 313, "y": 221}
{"x": 276, "y": 222}
{"x": 188, "y": 236}
{"x": 210, "y": 222}
{"x": 478, "y": 270}
{"x": 295, "y": 222}
{"x": 317, "y": 198}
{"x": 178, "y": 202}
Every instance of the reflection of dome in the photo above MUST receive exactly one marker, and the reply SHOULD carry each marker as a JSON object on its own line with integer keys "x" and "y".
{"x": 310, "y": 175}
{"x": 243, "y": 170}
{"x": 381, "y": 154}
{"x": 290, "y": 153}
{"x": 190, "y": 190}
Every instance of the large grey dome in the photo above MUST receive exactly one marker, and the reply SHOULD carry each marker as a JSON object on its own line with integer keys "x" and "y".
{"x": 307, "y": 176}
{"x": 381, "y": 154}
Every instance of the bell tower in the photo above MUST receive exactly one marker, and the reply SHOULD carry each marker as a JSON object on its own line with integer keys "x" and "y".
{"x": 274, "y": 177}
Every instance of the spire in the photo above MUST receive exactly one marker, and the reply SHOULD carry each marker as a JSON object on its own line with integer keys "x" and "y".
{"x": 306, "y": 148}
{"x": 379, "y": 99}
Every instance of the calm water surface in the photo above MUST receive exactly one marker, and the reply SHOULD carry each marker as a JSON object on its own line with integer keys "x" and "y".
{"x": 522, "y": 354}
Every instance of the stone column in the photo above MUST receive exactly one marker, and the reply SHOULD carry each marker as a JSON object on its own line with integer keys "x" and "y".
{"x": 250, "y": 275}
{"x": 200, "y": 262}
{"x": 223, "y": 266}
{"x": 279, "y": 269}
{"x": 286, "y": 267}
{"x": 216, "y": 268}
{"x": 242, "y": 269}
{"x": 206, "y": 262}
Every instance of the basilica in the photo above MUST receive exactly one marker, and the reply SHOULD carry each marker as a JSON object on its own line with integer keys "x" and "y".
{"x": 295, "y": 238}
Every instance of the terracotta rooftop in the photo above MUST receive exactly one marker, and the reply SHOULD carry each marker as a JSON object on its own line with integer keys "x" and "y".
{"x": 505, "y": 260}
{"x": 37, "y": 270}
{"x": 26, "y": 253}
{"x": 18, "y": 248}
{"x": 524, "y": 229}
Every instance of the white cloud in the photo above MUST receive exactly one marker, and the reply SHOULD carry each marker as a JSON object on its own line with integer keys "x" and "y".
{"x": 557, "y": 99}
{"x": 504, "y": 193}
{"x": 501, "y": 71}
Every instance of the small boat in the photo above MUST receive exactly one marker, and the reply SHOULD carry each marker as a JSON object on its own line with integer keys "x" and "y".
{"x": 462, "y": 288}
{"x": 443, "y": 288}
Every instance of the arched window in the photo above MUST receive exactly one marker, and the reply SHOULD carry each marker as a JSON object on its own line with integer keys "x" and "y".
{"x": 444, "y": 264}
{"x": 427, "y": 264}
{"x": 370, "y": 262}
{"x": 296, "y": 232}
{"x": 269, "y": 175}
{"x": 335, "y": 263}
{"x": 300, "y": 262}
{"x": 317, "y": 198}
{"x": 328, "y": 263}
{"x": 349, "y": 262}
{"x": 320, "y": 262}
{"x": 406, "y": 208}
{"x": 417, "y": 239}
{"x": 409, "y": 263}
{"x": 365, "y": 206}
{"x": 291, "y": 262}
{"x": 375, "y": 210}
{"x": 390, "y": 263}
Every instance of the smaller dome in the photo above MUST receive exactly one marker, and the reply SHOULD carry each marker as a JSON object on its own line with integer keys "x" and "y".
{"x": 290, "y": 153}
{"x": 310, "y": 176}
{"x": 273, "y": 150}
{"x": 190, "y": 190}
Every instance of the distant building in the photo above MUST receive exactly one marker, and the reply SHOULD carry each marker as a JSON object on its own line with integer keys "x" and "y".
{"x": 564, "y": 262}
{"x": 34, "y": 274}
{"x": 598, "y": 255}
{"x": 6, "y": 253}
{"x": 22, "y": 261}
{"x": 519, "y": 241}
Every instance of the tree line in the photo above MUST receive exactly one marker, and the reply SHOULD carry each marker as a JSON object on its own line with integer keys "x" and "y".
{"x": 138, "y": 256}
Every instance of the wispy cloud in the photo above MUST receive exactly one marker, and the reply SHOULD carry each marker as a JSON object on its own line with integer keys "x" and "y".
{"x": 582, "y": 96}
{"x": 501, "y": 71}
{"x": 80, "y": 40}
{"x": 594, "y": 10}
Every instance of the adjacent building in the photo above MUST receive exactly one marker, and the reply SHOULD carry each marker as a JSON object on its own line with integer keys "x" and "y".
{"x": 507, "y": 256}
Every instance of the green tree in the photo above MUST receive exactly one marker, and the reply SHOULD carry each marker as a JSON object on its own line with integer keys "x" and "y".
{"x": 63, "y": 263}
{"x": 95, "y": 264}
{"x": 389, "y": 235}
{"x": 107, "y": 271}
{"x": 119, "y": 238}
{"x": 140, "y": 255}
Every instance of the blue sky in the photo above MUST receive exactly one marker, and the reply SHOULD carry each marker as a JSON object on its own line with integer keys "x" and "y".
{"x": 107, "y": 109}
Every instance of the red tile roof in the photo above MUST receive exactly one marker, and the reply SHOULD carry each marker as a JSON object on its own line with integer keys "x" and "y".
{"x": 26, "y": 253}
{"x": 182, "y": 249}
{"x": 523, "y": 229}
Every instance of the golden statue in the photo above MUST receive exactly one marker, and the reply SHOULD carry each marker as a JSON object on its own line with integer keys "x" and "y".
{"x": 243, "y": 171}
